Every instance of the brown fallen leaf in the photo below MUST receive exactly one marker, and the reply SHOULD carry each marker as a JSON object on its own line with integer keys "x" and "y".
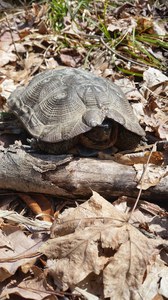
{"x": 152, "y": 175}
{"x": 15, "y": 251}
{"x": 155, "y": 90}
{"x": 39, "y": 204}
{"x": 157, "y": 273}
{"x": 125, "y": 25}
{"x": 8, "y": 38}
{"x": 130, "y": 159}
{"x": 128, "y": 266}
{"x": 6, "y": 56}
{"x": 70, "y": 57}
{"x": 96, "y": 238}
{"x": 129, "y": 88}
{"x": 7, "y": 86}
{"x": 31, "y": 286}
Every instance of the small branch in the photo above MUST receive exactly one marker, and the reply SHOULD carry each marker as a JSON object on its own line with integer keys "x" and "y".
{"x": 120, "y": 55}
{"x": 142, "y": 178}
{"x": 71, "y": 178}
{"x": 13, "y": 42}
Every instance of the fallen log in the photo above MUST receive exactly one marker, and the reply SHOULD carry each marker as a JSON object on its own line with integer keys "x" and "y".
{"x": 69, "y": 177}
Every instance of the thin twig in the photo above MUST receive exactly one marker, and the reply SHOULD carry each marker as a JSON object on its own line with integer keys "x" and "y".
{"x": 120, "y": 55}
{"x": 142, "y": 178}
{"x": 13, "y": 42}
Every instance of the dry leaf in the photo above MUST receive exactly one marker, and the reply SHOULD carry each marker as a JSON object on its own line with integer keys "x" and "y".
{"x": 124, "y": 274}
{"x": 130, "y": 89}
{"x": 155, "y": 90}
{"x": 153, "y": 76}
{"x": 96, "y": 238}
{"x": 130, "y": 159}
{"x": 8, "y": 38}
{"x": 7, "y": 56}
{"x": 152, "y": 177}
{"x": 15, "y": 244}
{"x": 156, "y": 281}
{"x": 7, "y": 87}
{"x": 126, "y": 25}
{"x": 70, "y": 57}
{"x": 33, "y": 286}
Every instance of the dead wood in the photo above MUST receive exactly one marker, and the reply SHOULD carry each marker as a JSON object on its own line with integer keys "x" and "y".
{"x": 65, "y": 176}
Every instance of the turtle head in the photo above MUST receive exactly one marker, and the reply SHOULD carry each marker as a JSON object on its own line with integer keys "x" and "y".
{"x": 102, "y": 136}
{"x": 101, "y": 132}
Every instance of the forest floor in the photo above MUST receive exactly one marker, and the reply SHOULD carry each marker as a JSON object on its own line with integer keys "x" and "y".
{"x": 92, "y": 249}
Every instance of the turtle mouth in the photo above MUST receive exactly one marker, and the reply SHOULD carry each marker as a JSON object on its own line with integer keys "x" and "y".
{"x": 102, "y": 136}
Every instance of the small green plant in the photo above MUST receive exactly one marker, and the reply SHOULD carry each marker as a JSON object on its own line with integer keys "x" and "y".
{"x": 92, "y": 20}
{"x": 58, "y": 9}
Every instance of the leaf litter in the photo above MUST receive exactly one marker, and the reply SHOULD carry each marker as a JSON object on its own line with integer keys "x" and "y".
{"x": 96, "y": 250}
{"x": 96, "y": 238}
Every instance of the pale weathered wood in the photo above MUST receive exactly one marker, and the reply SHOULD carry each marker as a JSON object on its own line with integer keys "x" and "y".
{"x": 69, "y": 177}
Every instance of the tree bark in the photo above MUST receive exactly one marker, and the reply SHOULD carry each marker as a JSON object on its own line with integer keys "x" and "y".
{"x": 68, "y": 177}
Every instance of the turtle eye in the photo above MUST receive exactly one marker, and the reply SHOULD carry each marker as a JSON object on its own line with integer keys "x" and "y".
{"x": 106, "y": 124}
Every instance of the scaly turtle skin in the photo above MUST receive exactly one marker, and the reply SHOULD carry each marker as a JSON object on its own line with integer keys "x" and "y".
{"x": 64, "y": 107}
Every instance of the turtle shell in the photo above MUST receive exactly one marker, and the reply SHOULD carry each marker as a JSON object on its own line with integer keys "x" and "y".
{"x": 58, "y": 105}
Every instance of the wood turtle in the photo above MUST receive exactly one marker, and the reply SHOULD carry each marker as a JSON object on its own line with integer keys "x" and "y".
{"x": 65, "y": 107}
